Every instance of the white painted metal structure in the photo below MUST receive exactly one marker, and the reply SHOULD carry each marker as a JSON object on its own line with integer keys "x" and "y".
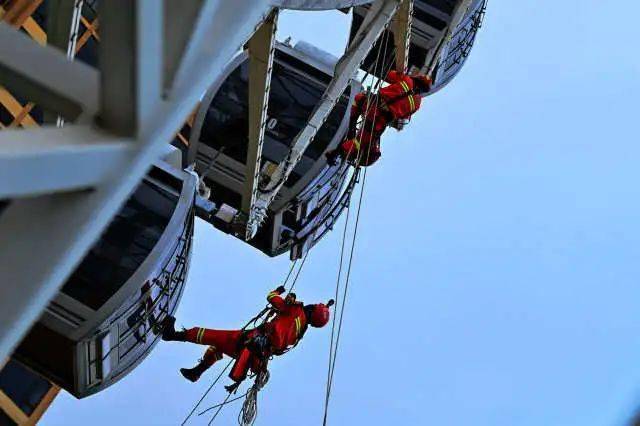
{"x": 378, "y": 17}
{"x": 65, "y": 184}
{"x": 157, "y": 59}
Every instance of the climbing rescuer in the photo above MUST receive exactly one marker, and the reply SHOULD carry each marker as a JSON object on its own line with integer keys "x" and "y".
{"x": 252, "y": 348}
{"x": 392, "y": 105}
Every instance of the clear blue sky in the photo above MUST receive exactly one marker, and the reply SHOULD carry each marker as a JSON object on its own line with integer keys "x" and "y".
{"x": 496, "y": 272}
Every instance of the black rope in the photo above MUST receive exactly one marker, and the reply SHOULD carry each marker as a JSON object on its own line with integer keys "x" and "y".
{"x": 223, "y": 403}
{"x": 206, "y": 392}
{"x": 219, "y": 409}
{"x": 295, "y": 280}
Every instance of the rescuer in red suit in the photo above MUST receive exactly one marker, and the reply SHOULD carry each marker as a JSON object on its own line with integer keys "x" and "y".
{"x": 252, "y": 348}
{"x": 393, "y": 103}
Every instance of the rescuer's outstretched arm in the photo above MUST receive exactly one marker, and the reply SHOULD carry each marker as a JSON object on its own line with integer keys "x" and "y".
{"x": 275, "y": 299}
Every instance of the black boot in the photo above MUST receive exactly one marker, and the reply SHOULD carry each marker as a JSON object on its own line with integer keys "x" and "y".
{"x": 169, "y": 332}
{"x": 193, "y": 374}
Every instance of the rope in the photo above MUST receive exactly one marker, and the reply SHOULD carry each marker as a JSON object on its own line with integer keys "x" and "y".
{"x": 295, "y": 279}
{"x": 195, "y": 407}
{"x": 219, "y": 408}
{"x": 249, "y": 412}
{"x": 223, "y": 403}
{"x": 333, "y": 350}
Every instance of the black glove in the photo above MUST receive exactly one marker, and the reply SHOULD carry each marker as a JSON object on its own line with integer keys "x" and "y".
{"x": 281, "y": 289}
{"x": 232, "y": 388}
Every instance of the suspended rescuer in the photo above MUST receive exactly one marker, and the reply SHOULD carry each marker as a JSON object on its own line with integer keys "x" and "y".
{"x": 252, "y": 348}
{"x": 393, "y": 104}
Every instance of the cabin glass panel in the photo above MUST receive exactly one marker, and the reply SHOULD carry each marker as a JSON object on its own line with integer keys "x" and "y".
{"x": 129, "y": 239}
{"x": 292, "y": 98}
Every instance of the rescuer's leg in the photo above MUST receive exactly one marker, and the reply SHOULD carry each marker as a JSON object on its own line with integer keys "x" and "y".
{"x": 240, "y": 368}
{"x": 226, "y": 341}
{"x": 209, "y": 358}
{"x": 370, "y": 153}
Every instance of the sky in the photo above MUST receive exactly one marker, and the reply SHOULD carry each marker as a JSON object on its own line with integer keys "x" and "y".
{"x": 495, "y": 279}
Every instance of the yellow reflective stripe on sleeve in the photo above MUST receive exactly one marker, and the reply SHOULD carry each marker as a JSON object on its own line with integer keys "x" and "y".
{"x": 405, "y": 86}
{"x": 412, "y": 103}
{"x": 298, "y": 326}
{"x": 356, "y": 142}
{"x": 271, "y": 295}
{"x": 200, "y": 335}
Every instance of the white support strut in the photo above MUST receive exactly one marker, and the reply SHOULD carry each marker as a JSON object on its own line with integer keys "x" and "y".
{"x": 43, "y": 238}
{"x": 376, "y": 20}
{"x": 402, "y": 34}
{"x": 261, "y": 48}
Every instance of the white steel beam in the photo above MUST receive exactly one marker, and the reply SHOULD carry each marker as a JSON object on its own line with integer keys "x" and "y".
{"x": 214, "y": 37}
{"x": 63, "y": 22}
{"x": 131, "y": 63}
{"x": 318, "y": 4}
{"x": 68, "y": 88}
{"x": 178, "y": 30}
{"x": 261, "y": 51}
{"x": 48, "y": 159}
{"x": 433, "y": 57}
{"x": 402, "y": 34}
{"x": 374, "y": 23}
{"x": 61, "y": 228}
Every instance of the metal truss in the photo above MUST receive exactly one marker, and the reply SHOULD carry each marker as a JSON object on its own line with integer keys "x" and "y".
{"x": 65, "y": 184}
{"x": 376, "y": 20}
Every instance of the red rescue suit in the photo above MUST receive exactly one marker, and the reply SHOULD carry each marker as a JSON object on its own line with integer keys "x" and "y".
{"x": 282, "y": 332}
{"x": 397, "y": 101}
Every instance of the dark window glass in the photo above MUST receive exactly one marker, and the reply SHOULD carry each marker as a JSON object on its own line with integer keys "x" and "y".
{"x": 226, "y": 121}
{"x": 291, "y": 102}
{"x": 25, "y": 388}
{"x": 88, "y": 53}
{"x": 6, "y": 420}
{"x": 123, "y": 247}
{"x": 292, "y": 98}
{"x": 445, "y": 6}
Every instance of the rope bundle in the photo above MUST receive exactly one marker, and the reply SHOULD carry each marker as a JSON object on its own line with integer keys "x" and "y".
{"x": 249, "y": 410}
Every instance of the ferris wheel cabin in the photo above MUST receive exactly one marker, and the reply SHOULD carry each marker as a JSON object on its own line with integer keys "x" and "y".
{"x": 107, "y": 316}
{"x": 219, "y": 138}
{"x": 434, "y": 43}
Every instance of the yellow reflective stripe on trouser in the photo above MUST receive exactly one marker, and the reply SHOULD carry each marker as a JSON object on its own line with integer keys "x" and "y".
{"x": 298, "y": 326}
{"x": 200, "y": 335}
{"x": 356, "y": 142}
{"x": 405, "y": 86}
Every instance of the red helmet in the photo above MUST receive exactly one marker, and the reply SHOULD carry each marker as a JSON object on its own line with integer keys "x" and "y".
{"x": 319, "y": 315}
